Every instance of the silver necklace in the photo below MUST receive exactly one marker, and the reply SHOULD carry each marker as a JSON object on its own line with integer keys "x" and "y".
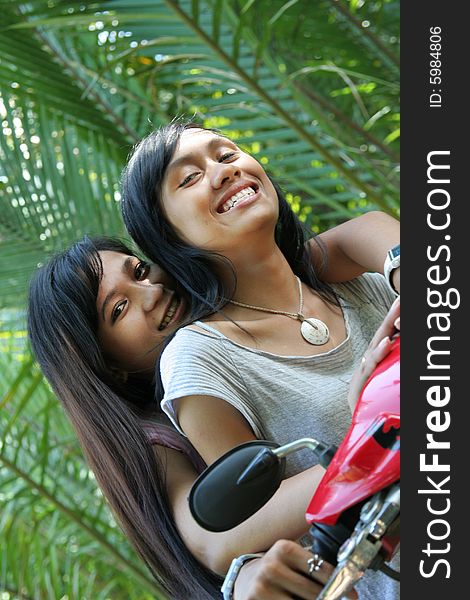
{"x": 313, "y": 330}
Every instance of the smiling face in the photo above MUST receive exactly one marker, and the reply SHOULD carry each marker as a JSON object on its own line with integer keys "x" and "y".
{"x": 215, "y": 195}
{"x": 137, "y": 307}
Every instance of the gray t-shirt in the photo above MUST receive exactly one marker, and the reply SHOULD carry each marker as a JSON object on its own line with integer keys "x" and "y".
{"x": 283, "y": 398}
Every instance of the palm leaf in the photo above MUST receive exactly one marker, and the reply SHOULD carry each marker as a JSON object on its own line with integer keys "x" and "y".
{"x": 51, "y": 501}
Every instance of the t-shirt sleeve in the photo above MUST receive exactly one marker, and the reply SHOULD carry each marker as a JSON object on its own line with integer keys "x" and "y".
{"x": 380, "y": 288}
{"x": 371, "y": 287}
{"x": 194, "y": 364}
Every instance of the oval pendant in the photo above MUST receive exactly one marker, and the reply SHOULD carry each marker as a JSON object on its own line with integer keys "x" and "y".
{"x": 314, "y": 331}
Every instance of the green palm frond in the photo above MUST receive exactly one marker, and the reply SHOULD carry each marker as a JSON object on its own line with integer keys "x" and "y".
{"x": 58, "y": 183}
{"x": 57, "y": 535}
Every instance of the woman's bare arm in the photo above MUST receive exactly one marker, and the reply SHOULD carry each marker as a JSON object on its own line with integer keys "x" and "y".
{"x": 282, "y": 517}
{"x": 356, "y": 246}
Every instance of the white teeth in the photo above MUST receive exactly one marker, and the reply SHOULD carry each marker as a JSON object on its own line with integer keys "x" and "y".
{"x": 248, "y": 191}
{"x": 169, "y": 315}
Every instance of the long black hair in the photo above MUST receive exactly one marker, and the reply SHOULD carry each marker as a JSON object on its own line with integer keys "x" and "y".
{"x": 107, "y": 414}
{"x": 195, "y": 269}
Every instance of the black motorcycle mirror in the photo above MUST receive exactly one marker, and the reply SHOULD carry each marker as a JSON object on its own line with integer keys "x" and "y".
{"x": 237, "y": 485}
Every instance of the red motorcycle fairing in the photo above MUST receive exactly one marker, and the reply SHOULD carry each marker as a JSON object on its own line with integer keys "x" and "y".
{"x": 368, "y": 459}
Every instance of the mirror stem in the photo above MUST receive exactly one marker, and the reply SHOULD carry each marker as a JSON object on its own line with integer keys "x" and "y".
{"x": 264, "y": 460}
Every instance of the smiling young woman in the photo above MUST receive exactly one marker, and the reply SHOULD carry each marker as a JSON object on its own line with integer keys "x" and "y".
{"x": 137, "y": 303}
{"x": 94, "y": 286}
{"x": 219, "y": 189}
{"x": 241, "y": 369}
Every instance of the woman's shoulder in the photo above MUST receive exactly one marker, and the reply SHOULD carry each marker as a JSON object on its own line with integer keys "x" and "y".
{"x": 369, "y": 287}
{"x": 191, "y": 338}
{"x": 197, "y": 331}
{"x": 194, "y": 348}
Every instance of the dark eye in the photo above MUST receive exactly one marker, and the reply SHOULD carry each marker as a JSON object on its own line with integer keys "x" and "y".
{"x": 141, "y": 270}
{"x": 117, "y": 310}
{"x": 227, "y": 156}
{"x": 188, "y": 179}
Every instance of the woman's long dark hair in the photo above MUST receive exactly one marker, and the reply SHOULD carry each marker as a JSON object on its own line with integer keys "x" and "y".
{"x": 196, "y": 270}
{"x": 107, "y": 414}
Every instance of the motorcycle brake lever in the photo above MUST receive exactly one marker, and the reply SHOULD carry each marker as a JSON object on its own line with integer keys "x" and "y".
{"x": 360, "y": 550}
{"x": 349, "y": 571}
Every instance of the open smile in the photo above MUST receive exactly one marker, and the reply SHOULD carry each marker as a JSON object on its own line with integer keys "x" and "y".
{"x": 245, "y": 194}
{"x": 172, "y": 313}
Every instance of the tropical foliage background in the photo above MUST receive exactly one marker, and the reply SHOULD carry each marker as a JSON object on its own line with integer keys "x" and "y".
{"x": 310, "y": 87}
